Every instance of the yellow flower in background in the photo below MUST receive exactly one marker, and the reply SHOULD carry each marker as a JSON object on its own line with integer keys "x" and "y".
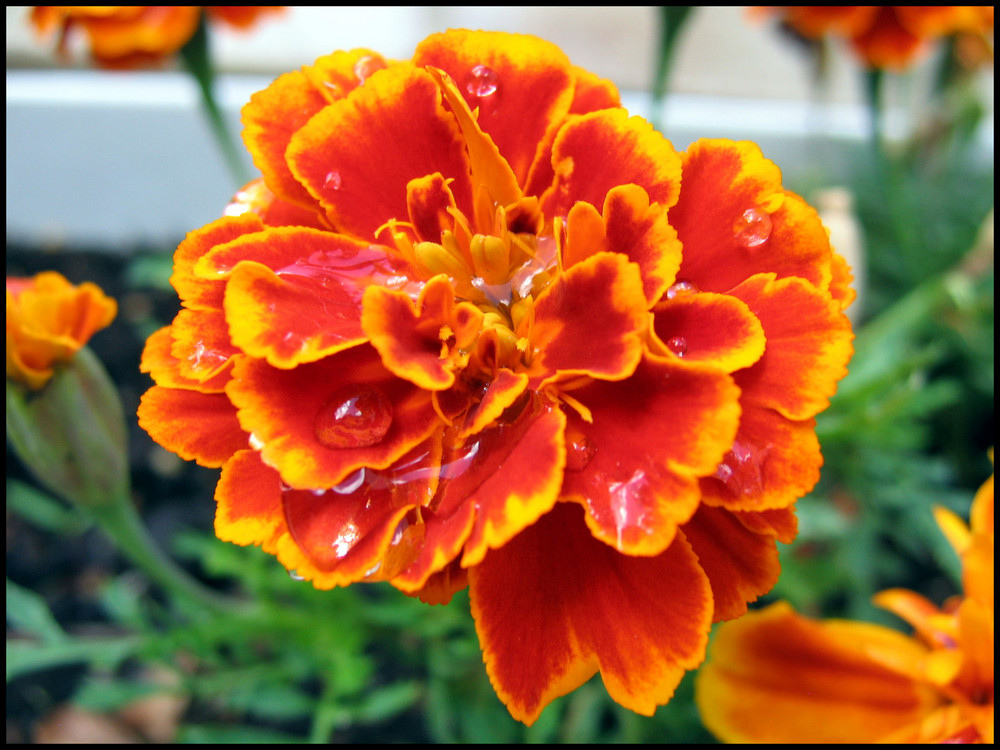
{"x": 775, "y": 676}
{"x": 48, "y": 321}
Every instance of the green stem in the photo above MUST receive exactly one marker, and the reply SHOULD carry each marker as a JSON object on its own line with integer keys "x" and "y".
{"x": 672, "y": 19}
{"x": 197, "y": 57}
{"x": 121, "y": 522}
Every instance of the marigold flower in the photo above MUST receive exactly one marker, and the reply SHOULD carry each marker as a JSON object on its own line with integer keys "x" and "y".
{"x": 775, "y": 676}
{"x": 132, "y": 36}
{"x": 48, "y": 321}
{"x": 888, "y": 36}
{"x": 478, "y": 326}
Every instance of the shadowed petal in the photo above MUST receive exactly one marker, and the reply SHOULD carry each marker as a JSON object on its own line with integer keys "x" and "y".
{"x": 554, "y": 606}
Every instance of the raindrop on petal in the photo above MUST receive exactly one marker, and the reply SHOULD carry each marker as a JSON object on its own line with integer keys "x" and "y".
{"x": 681, "y": 289}
{"x": 481, "y": 81}
{"x": 356, "y": 416}
{"x": 295, "y": 576}
{"x": 580, "y": 450}
{"x": 332, "y": 181}
{"x": 742, "y": 468}
{"x": 752, "y": 228}
{"x": 678, "y": 345}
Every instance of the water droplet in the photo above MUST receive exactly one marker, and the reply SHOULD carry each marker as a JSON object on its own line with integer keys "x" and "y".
{"x": 332, "y": 181}
{"x": 356, "y": 416}
{"x": 481, "y": 81}
{"x": 365, "y": 67}
{"x": 255, "y": 442}
{"x": 295, "y": 576}
{"x": 580, "y": 449}
{"x": 742, "y": 468}
{"x": 752, "y": 228}
{"x": 345, "y": 541}
{"x": 626, "y": 503}
{"x": 333, "y": 88}
{"x": 351, "y": 484}
{"x": 681, "y": 289}
{"x": 678, "y": 345}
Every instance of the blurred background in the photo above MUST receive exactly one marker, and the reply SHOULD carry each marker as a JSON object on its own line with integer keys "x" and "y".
{"x": 107, "y": 171}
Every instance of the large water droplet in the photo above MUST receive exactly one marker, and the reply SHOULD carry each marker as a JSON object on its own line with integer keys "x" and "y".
{"x": 356, "y": 416}
{"x": 332, "y": 181}
{"x": 678, "y": 345}
{"x": 681, "y": 289}
{"x": 345, "y": 541}
{"x": 481, "y": 81}
{"x": 752, "y": 228}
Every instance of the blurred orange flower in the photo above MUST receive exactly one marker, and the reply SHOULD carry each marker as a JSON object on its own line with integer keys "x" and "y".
{"x": 478, "y": 326}
{"x": 888, "y": 36}
{"x": 132, "y": 36}
{"x": 775, "y": 676}
{"x": 48, "y": 320}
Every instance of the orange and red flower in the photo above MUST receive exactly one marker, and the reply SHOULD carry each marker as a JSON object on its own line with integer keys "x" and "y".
{"x": 478, "y": 326}
{"x": 775, "y": 676}
{"x": 48, "y": 320}
{"x": 132, "y": 36}
{"x": 888, "y": 36}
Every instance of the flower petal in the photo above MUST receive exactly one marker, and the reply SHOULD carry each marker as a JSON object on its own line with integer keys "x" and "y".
{"x": 273, "y": 116}
{"x": 389, "y": 131}
{"x": 740, "y": 564}
{"x": 706, "y": 327}
{"x": 158, "y": 360}
{"x": 631, "y": 226}
{"x": 422, "y": 341}
{"x": 196, "y": 426}
{"x": 520, "y": 84}
{"x": 590, "y": 321}
{"x": 808, "y": 346}
{"x": 553, "y": 606}
{"x": 772, "y": 463}
{"x": 197, "y": 291}
{"x": 735, "y": 220}
{"x": 248, "y": 502}
{"x": 289, "y": 412}
{"x": 774, "y": 676}
{"x": 635, "y": 466}
{"x": 596, "y": 152}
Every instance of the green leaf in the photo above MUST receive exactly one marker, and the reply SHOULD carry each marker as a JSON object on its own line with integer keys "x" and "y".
{"x": 43, "y": 510}
{"x": 28, "y": 613}
{"x": 24, "y": 657}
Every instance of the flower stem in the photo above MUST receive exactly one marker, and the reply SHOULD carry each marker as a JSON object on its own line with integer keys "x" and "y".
{"x": 197, "y": 57}
{"x": 672, "y": 19}
{"x": 122, "y": 524}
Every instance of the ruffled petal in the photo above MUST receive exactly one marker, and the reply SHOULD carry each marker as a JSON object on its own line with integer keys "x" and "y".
{"x": 521, "y": 86}
{"x": 274, "y": 115}
{"x": 421, "y": 341}
{"x": 635, "y": 466}
{"x": 321, "y": 421}
{"x": 773, "y": 676}
{"x": 196, "y": 426}
{"x": 201, "y": 347}
{"x": 808, "y": 346}
{"x": 248, "y": 503}
{"x": 735, "y": 220}
{"x": 740, "y": 564}
{"x": 589, "y": 321}
{"x": 772, "y": 463}
{"x": 631, "y": 226}
{"x": 389, "y": 131}
{"x": 204, "y": 292}
{"x": 596, "y": 152}
{"x": 715, "y": 328}
{"x": 161, "y": 364}
{"x": 640, "y": 621}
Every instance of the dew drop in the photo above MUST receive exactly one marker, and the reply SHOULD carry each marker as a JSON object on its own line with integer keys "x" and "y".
{"x": 742, "y": 468}
{"x": 678, "y": 345}
{"x": 580, "y": 450}
{"x": 752, "y": 228}
{"x": 332, "y": 181}
{"x": 351, "y": 484}
{"x": 681, "y": 289}
{"x": 356, "y": 416}
{"x": 481, "y": 81}
{"x": 294, "y": 575}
